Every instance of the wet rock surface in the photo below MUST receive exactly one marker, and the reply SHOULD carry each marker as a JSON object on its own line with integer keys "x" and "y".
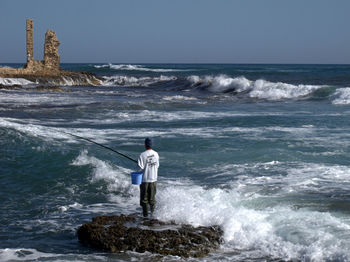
{"x": 58, "y": 77}
{"x": 134, "y": 233}
{"x": 37, "y": 88}
{"x": 10, "y": 87}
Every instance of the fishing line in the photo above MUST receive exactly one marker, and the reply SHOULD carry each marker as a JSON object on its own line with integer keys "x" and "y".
{"x": 91, "y": 141}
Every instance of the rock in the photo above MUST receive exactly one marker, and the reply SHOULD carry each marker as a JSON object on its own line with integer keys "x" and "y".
{"x": 51, "y": 56}
{"x": 37, "y": 88}
{"x": 61, "y": 77}
{"x": 10, "y": 87}
{"x": 134, "y": 233}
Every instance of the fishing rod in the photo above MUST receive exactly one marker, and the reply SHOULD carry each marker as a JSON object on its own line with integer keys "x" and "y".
{"x": 91, "y": 141}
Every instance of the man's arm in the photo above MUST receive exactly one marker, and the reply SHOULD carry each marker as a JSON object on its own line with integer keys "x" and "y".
{"x": 141, "y": 163}
{"x": 157, "y": 165}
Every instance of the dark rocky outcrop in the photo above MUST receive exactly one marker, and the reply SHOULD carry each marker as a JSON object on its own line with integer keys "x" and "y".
{"x": 122, "y": 233}
{"x": 36, "y": 88}
{"x": 10, "y": 87}
{"x": 60, "y": 77}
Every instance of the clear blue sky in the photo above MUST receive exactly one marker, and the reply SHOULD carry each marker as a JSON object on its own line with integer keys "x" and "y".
{"x": 181, "y": 31}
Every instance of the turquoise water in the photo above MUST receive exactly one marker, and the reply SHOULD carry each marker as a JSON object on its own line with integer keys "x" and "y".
{"x": 261, "y": 150}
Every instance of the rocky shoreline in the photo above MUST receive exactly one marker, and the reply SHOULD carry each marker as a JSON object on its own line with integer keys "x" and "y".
{"x": 134, "y": 233}
{"x": 58, "y": 77}
{"x": 42, "y": 88}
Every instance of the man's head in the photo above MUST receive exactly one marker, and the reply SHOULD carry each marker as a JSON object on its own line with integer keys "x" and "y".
{"x": 148, "y": 143}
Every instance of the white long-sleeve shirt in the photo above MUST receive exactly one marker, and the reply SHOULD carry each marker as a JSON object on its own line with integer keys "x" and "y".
{"x": 149, "y": 162}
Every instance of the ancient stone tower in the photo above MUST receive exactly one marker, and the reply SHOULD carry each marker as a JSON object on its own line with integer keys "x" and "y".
{"x": 51, "y": 60}
{"x": 51, "y": 56}
{"x": 29, "y": 36}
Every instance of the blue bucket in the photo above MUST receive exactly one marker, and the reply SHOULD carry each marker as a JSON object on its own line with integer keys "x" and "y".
{"x": 136, "y": 178}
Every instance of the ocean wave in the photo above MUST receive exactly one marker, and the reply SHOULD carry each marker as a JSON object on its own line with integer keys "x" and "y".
{"x": 238, "y": 86}
{"x": 23, "y": 254}
{"x": 118, "y": 180}
{"x": 238, "y": 209}
{"x": 179, "y": 98}
{"x": 265, "y": 230}
{"x": 8, "y": 81}
{"x": 249, "y": 207}
{"x": 31, "y": 254}
{"x": 130, "y": 67}
{"x": 129, "y": 81}
{"x": 261, "y": 89}
{"x": 342, "y": 96}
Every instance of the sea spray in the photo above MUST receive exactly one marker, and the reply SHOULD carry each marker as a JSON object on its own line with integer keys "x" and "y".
{"x": 127, "y": 81}
{"x": 133, "y": 67}
{"x": 342, "y": 96}
{"x": 260, "y": 88}
{"x": 15, "y": 81}
{"x": 246, "y": 226}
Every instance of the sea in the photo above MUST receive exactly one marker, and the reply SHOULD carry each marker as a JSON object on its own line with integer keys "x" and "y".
{"x": 262, "y": 150}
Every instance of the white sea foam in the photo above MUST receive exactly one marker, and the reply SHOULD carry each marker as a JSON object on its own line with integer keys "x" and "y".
{"x": 179, "y": 98}
{"x": 117, "y": 178}
{"x": 30, "y": 254}
{"x": 113, "y": 117}
{"x": 265, "y": 231}
{"x": 241, "y": 208}
{"x": 23, "y": 98}
{"x": 71, "y": 206}
{"x": 134, "y": 81}
{"x": 303, "y": 136}
{"x": 15, "y": 81}
{"x": 260, "y": 89}
{"x": 156, "y": 116}
{"x": 33, "y": 129}
{"x": 52, "y": 134}
{"x": 275, "y": 91}
{"x": 342, "y": 96}
{"x": 275, "y": 231}
{"x": 129, "y": 67}
{"x": 23, "y": 254}
{"x": 286, "y": 178}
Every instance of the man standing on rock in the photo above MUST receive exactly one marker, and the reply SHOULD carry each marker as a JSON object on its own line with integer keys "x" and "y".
{"x": 149, "y": 163}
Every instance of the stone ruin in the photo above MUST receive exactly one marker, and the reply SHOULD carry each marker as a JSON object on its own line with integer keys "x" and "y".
{"x": 47, "y": 71}
{"x": 51, "y": 60}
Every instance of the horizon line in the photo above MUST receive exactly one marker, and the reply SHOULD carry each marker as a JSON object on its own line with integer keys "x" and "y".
{"x": 188, "y": 63}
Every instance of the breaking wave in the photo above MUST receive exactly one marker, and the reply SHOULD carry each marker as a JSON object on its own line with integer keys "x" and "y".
{"x": 137, "y": 68}
{"x": 237, "y": 86}
{"x": 237, "y": 207}
{"x": 260, "y": 88}
{"x": 241, "y": 86}
{"x": 129, "y": 81}
{"x": 342, "y": 96}
{"x": 7, "y": 81}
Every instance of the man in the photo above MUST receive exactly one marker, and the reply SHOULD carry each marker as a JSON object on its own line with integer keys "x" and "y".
{"x": 149, "y": 163}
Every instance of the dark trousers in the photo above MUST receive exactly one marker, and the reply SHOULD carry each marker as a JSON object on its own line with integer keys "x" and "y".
{"x": 148, "y": 196}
